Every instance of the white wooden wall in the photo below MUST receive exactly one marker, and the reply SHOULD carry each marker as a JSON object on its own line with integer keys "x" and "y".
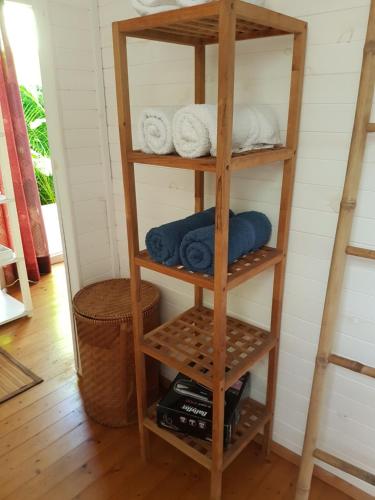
{"x": 163, "y": 75}
{"x": 74, "y": 36}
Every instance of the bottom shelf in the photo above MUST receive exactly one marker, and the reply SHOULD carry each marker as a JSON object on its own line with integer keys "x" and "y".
{"x": 254, "y": 417}
{"x": 10, "y": 308}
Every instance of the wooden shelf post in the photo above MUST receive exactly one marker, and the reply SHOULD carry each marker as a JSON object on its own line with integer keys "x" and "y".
{"x": 123, "y": 105}
{"x": 227, "y": 33}
{"x": 200, "y": 98}
{"x": 298, "y": 66}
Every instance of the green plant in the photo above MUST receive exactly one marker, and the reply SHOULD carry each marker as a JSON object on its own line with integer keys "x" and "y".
{"x": 35, "y": 117}
{"x": 45, "y": 186}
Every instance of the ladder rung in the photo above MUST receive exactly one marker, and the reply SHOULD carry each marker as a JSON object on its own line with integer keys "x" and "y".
{"x": 350, "y": 364}
{"x": 361, "y": 252}
{"x": 371, "y": 127}
{"x": 364, "y": 475}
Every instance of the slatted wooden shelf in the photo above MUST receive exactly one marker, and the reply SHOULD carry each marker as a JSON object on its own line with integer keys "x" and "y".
{"x": 243, "y": 269}
{"x": 200, "y": 24}
{"x": 186, "y": 344}
{"x": 253, "y": 419}
{"x": 240, "y": 161}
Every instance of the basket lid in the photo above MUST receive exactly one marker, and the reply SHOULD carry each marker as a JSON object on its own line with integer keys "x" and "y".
{"x": 110, "y": 299}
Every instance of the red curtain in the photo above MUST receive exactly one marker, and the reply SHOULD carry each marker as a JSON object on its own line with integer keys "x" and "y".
{"x": 26, "y": 190}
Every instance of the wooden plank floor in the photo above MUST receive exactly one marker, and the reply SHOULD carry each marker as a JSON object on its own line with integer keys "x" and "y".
{"x": 49, "y": 448}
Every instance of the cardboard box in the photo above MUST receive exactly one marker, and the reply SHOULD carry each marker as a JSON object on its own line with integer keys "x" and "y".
{"x": 187, "y": 408}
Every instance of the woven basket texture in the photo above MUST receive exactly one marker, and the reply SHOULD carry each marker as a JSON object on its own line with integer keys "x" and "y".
{"x": 104, "y": 327}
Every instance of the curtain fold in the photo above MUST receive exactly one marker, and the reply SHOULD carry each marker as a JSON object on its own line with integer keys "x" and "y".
{"x": 33, "y": 232}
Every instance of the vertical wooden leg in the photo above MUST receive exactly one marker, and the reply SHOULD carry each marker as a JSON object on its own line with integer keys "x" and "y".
{"x": 199, "y": 206}
{"x": 227, "y": 30}
{"x": 268, "y": 429}
{"x": 123, "y": 104}
{"x": 200, "y": 98}
{"x": 298, "y": 65}
{"x": 217, "y": 443}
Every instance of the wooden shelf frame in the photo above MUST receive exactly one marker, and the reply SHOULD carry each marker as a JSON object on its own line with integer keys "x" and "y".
{"x": 186, "y": 344}
{"x": 200, "y": 25}
{"x": 241, "y": 161}
{"x": 222, "y": 22}
{"x": 254, "y": 418}
{"x": 240, "y": 271}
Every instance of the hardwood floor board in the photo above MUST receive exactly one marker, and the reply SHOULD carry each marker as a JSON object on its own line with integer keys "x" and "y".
{"x": 54, "y": 478}
{"x": 164, "y": 462}
{"x": 40, "y": 441}
{"x": 27, "y": 398}
{"x": 251, "y": 470}
{"x": 36, "y": 344}
{"x": 36, "y": 408}
{"x": 108, "y": 454}
{"x": 39, "y": 423}
{"x": 114, "y": 479}
{"x": 180, "y": 480}
{"x": 36, "y": 466}
{"x": 50, "y": 455}
{"x": 45, "y": 362}
{"x": 275, "y": 484}
{"x": 29, "y": 328}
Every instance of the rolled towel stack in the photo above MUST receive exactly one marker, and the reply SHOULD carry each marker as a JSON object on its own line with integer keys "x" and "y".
{"x": 155, "y": 130}
{"x": 248, "y": 231}
{"x": 146, "y": 7}
{"x": 195, "y": 129}
{"x": 163, "y": 243}
{"x": 189, "y": 3}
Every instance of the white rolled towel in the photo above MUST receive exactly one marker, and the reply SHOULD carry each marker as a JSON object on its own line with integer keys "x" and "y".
{"x": 145, "y": 7}
{"x": 195, "y": 129}
{"x": 155, "y": 130}
{"x": 190, "y": 3}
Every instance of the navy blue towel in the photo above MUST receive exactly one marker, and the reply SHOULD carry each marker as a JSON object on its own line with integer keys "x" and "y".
{"x": 163, "y": 243}
{"x": 247, "y": 231}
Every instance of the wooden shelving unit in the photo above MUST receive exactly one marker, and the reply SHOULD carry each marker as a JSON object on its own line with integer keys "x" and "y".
{"x": 205, "y": 344}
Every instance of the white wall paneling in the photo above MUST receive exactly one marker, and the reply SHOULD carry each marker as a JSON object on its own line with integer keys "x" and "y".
{"x": 163, "y": 74}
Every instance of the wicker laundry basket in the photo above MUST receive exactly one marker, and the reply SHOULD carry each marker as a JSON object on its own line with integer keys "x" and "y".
{"x": 104, "y": 327}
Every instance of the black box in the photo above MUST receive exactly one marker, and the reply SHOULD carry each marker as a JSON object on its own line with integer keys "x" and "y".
{"x": 187, "y": 408}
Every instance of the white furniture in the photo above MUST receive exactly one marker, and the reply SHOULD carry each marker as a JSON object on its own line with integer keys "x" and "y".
{"x": 10, "y": 308}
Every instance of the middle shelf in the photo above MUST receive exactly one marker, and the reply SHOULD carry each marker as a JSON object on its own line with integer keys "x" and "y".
{"x": 249, "y": 159}
{"x": 186, "y": 344}
{"x": 241, "y": 270}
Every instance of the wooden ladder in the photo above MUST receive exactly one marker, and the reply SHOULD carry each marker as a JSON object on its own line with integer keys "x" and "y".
{"x": 325, "y": 356}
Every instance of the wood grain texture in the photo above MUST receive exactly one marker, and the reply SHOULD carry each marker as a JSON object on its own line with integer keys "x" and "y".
{"x": 200, "y": 24}
{"x": 73, "y": 457}
{"x": 339, "y": 257}
{"x": 228, "y": 18}
{"x": 225, "y": 103}
{"x": 200, "y": 98}
{"x": 287, "y": 189}
{"x": 124, "y": 119}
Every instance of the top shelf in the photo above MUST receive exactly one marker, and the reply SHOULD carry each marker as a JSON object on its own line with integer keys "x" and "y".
{"x": 200, "y": 24}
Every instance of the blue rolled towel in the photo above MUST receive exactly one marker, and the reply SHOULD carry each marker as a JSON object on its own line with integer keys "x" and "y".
{"x": 163, "y": 243}
{"x": 247, "y": 231}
